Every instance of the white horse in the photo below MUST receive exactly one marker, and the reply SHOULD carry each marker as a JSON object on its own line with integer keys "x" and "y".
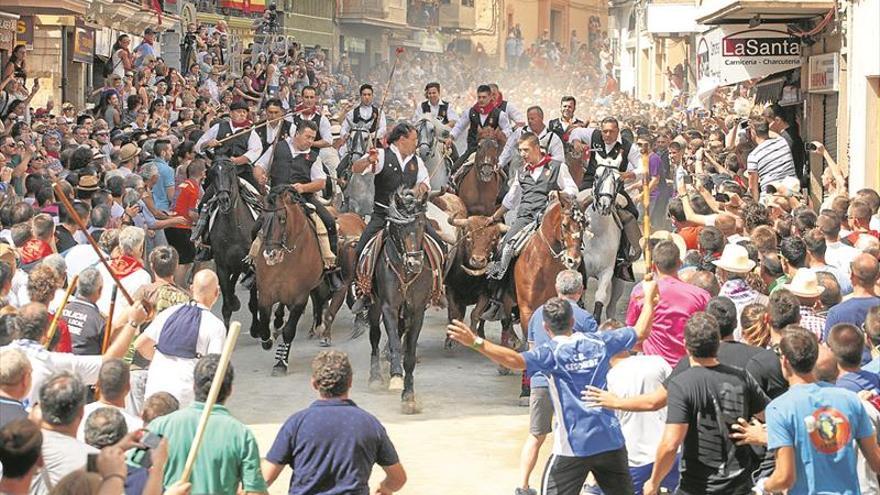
{"x": 359, "y": 189}
{"x": 431, "y": 135}
{"x": 600, "y": 249}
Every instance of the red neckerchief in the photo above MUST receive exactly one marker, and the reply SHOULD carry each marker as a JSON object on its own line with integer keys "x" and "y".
{"x": 244, "y": 123}
{"x": 34, "y": 250}
{"x": 305, "y": 111}
{"x": 544, "y": 161}
{"x": 125, "y": 265}
{"x": 485, "y": 110}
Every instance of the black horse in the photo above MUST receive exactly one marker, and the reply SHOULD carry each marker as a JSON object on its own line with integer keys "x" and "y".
{"x": 401, "y": 290}
{"x": 230, "y": 232}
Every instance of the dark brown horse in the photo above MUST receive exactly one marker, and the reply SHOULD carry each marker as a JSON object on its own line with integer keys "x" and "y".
{"x": 288, "y": 268}
{"x": 481, "y": 184}
{"x": 577, "y": 162}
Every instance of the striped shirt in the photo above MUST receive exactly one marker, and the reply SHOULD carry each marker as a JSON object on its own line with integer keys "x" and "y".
{"x": 772, "y": 161}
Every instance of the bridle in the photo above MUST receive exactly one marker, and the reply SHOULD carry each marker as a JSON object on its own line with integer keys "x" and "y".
{"x": 227, "y": 188}
{"x": 398, "y": 252}
{"x": 279, "y": 208}
{"x": 425, "y": 133}
{"x": 604, "y": 173}
{"x": 485, "y": 168}
{"x": 577, "y": 216}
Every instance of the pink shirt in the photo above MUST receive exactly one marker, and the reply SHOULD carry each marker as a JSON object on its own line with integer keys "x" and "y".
{"x": 678, "y": 301}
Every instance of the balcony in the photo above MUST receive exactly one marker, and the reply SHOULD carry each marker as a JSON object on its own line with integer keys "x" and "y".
{"x": 383, "y": 13}
{"x": 423, "y": 14}
{"x": 743, "y": 11}
{"x": 458, "y": 14}
{"x": 168, "y": 6}
{"x": 234, "y": 8}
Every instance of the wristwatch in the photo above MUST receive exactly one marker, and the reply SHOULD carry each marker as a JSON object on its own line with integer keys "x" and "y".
{"x": 478, "y": 343}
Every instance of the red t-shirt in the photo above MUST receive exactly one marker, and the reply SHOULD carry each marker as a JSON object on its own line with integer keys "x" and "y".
{"x": 61, "y": 342}
{"x": 690, "y": 235}
{"x": 187, "y": 200}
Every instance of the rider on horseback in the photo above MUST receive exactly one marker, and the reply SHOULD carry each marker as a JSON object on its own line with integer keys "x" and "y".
{"x": 528, "y": 196}
{"x": 242, "y": 150}
{"x": 322, "y": 147}
{"x": 437, "y": 108}
{"x": 514, "y": 116}
{"x": 604, "y": 146}
{"x": 366, "y": 118}
{"x": 567, "y": 122}
{"x": 485, "y": 113}
{"x": 550, "y": 143}
{"x": 393, "y": 167}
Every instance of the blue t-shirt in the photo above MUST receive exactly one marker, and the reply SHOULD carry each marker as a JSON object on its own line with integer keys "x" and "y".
{"x": 583, "y": 322}
{"x": 853, "y": 311}
{"x": 820, "y": 421}
{"x": 856, "y": 381}
{"x": 331, "y": 447}
{"x": 166, "y": 180}
{"x": 873, "y": 366}
{"x": 572, "y": 362}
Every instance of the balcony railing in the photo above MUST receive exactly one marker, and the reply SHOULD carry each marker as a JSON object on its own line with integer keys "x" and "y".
{"x": 424, "y": 14}
{"x": 168, "y": 6}
{"x": 237, "y": 8}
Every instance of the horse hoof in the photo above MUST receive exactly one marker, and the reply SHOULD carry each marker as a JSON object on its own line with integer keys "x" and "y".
{"x": 267, "y": 344}
{"x": 396, "y": 383}
{"x": 376, "y": 384}
{"x": 324, "y": 342}
{"x": 279, "y": 370}
{"x": 503, "y": 371}
{"x": 410, "y": 407}
{"x": 449, "y": 344}
{"x": 235, "y": 304}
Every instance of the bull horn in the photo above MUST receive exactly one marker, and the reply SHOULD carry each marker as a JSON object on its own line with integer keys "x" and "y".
{"x": 503, "y": 228}
{"x": 445, "y": 237}
{"x": 457, "y": 222}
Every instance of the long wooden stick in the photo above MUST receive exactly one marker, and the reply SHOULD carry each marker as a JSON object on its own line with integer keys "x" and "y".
{"x": 254, "y": 127}
{"x": 109, "y": 327}
{"x": 50, "y": 334}
{"x": 646, "y": 203}
{"x": 82, "y": 226}
{"x": 225, "y": 356}
{"x": 372, "y": 136}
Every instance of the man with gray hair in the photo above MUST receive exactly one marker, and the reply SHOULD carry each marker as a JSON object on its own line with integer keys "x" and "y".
{"x": 129, "y": 268}
{"x": 113, "y": 385}
{"x": 535, "y": 388}
{"x": 103, "y": 427}
{"x": 15, "y": 384}
{"x": 82, "y": 315}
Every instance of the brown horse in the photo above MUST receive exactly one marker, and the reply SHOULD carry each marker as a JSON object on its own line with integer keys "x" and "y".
{"x": 577, "y": 163}
{"x": 288, "y": 268}
{"x": 555, "y": 247}
{"x": 481, "y": 184}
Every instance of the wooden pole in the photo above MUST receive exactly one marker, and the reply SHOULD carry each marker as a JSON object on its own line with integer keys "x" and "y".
{"x": 50, "y": 334}
{"x": 109, "y": 328}
{"x": 646, "y": 220}
{"x": 254, "y": 127}
{"x": 225, "y": 356}
{"x": 59, "y": 193}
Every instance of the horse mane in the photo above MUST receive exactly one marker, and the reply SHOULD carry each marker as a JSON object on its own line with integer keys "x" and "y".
{"x": 404, "y": 206}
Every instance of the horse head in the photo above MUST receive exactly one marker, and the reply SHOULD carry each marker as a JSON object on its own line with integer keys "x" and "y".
{"x": 356, "y": 144}
{"x": 406, "y": 228}
{"x": 478, "y": 239}
{"x": 486, "y": 158}
{"x": 572, "y": 225}
{"x": 607, "y": 183}
{"x": 280, "y": 224}
{"x": 225, "y": 182}
{"x": 429, "y": 131}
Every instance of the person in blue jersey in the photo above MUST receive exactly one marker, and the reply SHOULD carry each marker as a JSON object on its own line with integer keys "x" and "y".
{"x": 587, "y": 439}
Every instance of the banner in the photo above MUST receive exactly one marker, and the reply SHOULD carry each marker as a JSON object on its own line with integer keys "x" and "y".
{"x": 731, "y": 54}
{"x": 83, "y": 44}
{"x": 25, "y": 31}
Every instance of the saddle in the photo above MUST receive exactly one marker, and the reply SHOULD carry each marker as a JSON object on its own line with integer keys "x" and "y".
{"x": 314, "y": 220}
{"x": 366, "y": 264}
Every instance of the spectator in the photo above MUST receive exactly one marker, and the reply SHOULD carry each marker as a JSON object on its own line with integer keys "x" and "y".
{"x": 805, "y": 286}
{"x": 755, "y": 325}
{"x": 186, "y": 206}
{"x": 15, "y": 384}
{"x": 784, "y": 309}
{"x": 859, "y": 216}
{"x": 816, "y": 454}
{"x": 847, "y": 342}
{"x": 163, "y": 190}
{"x": 227, "y": 442}
{"x": 770, "y": 164}
{"x": 679, "y": 301}
{"x": 83, "y": 318}
{"x": 570, "y": 287}
{"x": 865, "y": 272}
{"x": 158, "y": 405}
{"x": 837, "y": 254}
{"x": 128, "y": 267}
{"x": 103, "y": 427}
{"x": 872, "y": 336}
{"x": 21, "y": 445}
{"x": 709, "y": 389}
{"x": 732, "y": 269}
{"x": 815, "y": 243}
{"x": 324, "y": 456}
{"x": 175, "y": 338}
{"x": 113, "y": 386}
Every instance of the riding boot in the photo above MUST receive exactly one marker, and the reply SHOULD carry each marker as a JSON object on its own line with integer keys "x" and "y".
{"x": 498, "y": 268}
{"x": 495, "y": 310}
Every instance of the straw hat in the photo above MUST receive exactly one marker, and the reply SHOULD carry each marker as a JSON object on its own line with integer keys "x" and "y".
{"x": 665, "y": 235}
{"x": 735, "y": 259}
{"x": 804, "y": 284}
{"x": 88, "y": 183}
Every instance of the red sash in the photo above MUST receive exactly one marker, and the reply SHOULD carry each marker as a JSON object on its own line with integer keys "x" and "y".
{"x": 34, "y": 250}
{"x": 125, "y": 266}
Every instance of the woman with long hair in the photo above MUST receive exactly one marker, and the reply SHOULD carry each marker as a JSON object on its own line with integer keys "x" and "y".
{"x": 108, "y": 109}
{"x": 755, "y": 327}
{"x": 16, "y": 65}
{"x": 121, "y": 55}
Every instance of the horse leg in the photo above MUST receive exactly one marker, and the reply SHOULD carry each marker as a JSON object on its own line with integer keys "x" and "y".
{"x": 331, "y": 311}
{"x": 319, "y": 312}
{"x": 263, "y": 333}
{"x": 603, "y": 292}
{"x": 410, "y": 345}
{"x": 227, "y": 288}
{"x": 617, "y": 288}
{"x": 375, "y": 338}
{"x": 279, "y": 317}
{"x": 455, "y": 311}
{"x": 392, "y": 330}
{"x": 282, "y": 353}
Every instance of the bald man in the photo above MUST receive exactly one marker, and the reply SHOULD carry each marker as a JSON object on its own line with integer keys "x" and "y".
{"x": 178, "y": 336}
{"x": 865, "y": 272}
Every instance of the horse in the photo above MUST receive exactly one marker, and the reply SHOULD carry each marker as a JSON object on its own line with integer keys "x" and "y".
{"x": 288, "y": 268}
{"x": 231, "y": 229}
{"x": 480, "y": 186}
{"x": 431, "y": 135}
{"x": 576, "y": 161}
{"x": 357, "y": 189}
{"x": 600, "y": 251}
{"x": 402, "y": 286}
{"x": 555, "y": 247}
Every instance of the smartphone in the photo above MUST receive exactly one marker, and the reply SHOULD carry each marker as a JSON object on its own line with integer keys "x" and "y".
{"x": 151, "y": 440}
{"x": 92, "y": 463}
{"x": 811, "y": 147}
{"x": 141, "y": 456}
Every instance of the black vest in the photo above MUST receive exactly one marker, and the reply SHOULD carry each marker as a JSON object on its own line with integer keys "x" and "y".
{"x": 373, "y": 121}
{"x": 597, "y": 148}
{"x": 236, "y": 146}
{"x": 503, "y": 105}
{"x": 392, "y": 177}
{"x": 555, "y": 127}
{"x": 316, "y": 119}
{"x": 442, "y": 111}
{"x": 535, "y": 192}
{"x": 475, "y": 125}
{"x": 287, "y": 169}
{"x": 264, "y": 134}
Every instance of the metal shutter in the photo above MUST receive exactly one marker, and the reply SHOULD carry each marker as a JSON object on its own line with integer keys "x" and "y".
{"x": 829, "y": 124}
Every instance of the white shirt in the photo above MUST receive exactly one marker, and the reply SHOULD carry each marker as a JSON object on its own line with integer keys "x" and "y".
{"x": 174, "y": 374}
{"x": 46, "y": 363}
{"x": 513, "y": 113}
{"x": 550, "y": 144}
{"x": 366, "y": 112}
{"x": 133, "y": 422}
{"x": 633, "y": 160}
{"x": 563, "y": 180}
{"x": 324, "y": 131}
{"x": 131, "y": 283}
{"x": 421, "y": 178}
{"x": 78, "y": 258}
{"x": 434, "y": 110}
{"x": 255, "y": 146}
{"x": 642, "y": 431}
{"x": 840, "y": 256}
{"x": 315, "y": 173}
{"x": 463, "y": 123}
{"x": 18, "y": 294}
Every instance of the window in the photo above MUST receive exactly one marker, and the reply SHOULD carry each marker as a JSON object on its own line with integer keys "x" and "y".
{"x": 467, "y": 3}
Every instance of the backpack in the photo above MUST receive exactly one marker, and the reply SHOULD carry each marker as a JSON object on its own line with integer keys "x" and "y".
{"x": 108, "y": 66}
{"x": 180, "y": 333}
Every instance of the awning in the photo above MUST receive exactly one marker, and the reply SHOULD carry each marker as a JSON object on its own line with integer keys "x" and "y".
{"x": 769, "y": 90}
{"x": 673, "y": 19}
{"x": 743, "y": 11}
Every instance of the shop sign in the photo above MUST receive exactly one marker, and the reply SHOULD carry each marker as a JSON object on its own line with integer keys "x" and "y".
{"x": 83, "y": 44}
{"x": 823, "y": 73}
{"x": 732, "y": 54}
{"x": 431, "y": 44}
{"x": 24, "y": 31}
{"x": 8, "y": 27}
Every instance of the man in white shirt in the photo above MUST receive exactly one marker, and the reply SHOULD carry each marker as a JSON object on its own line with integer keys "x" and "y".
{"x": 128, "y": 268}
{"x": 367, "y": 119}
{"x": 513, "y": 114}
{"x": 550, "y": 143}
{"x": 113, "y": 383}
{"x": 485, "y": 114}
{"x": 837, "y": 254}
{"x": 172, "y": 370}
{"x": 435, "y": 107}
